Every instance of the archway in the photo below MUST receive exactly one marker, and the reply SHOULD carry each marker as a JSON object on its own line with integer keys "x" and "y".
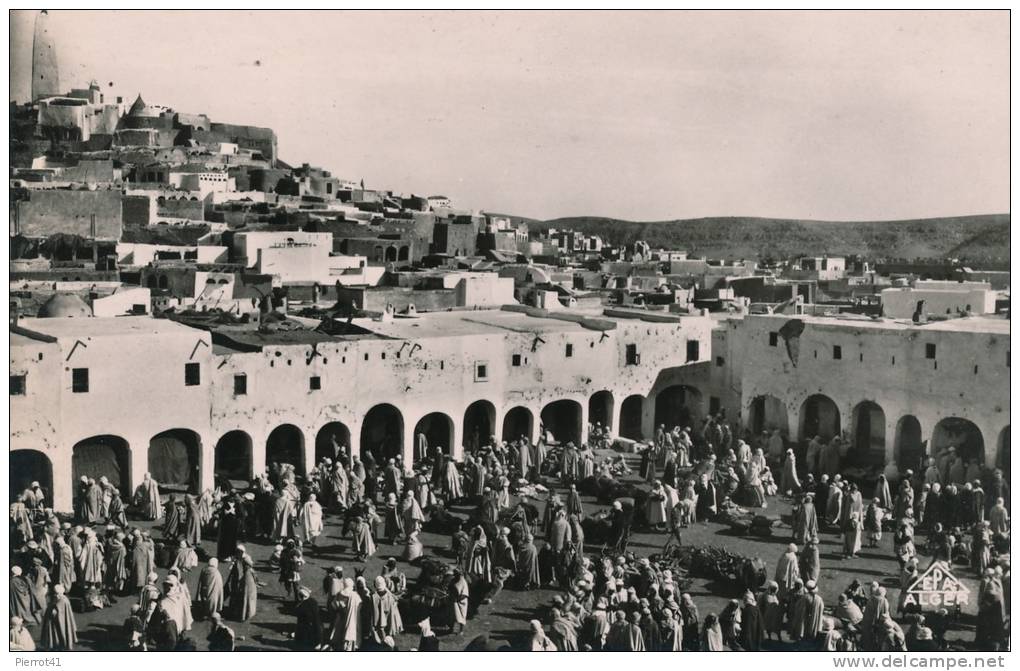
{"x": 232, "y": 457}
{"x": 404, "y": 253}
{"x": 391, "y": 253}
{"x": 961, "y": 434}
{"x": 479, "y": 424}
{"x": 909, "y": 448}
{"x": 518, "y": 423}
{"x": 175, "y": 460}
{"x": 102, "y": 456}
{"x": 382, "y": 432}
{"x": 630, "y": 417}
{"x": 437, "y": 427}
{"x": 600, "y": 408}
{"x": 286, "y": 445}
{"x": 563, "y": 419}
{"x": 767, "y": 413}
{"x": 867, "y": 447}
{"x": 330, "y": 439}
{"x": 28, "y": 466}
{"x": 1002, "y": 454}
{"x": 819, "y": 416}
{"x": 678, "y": 405}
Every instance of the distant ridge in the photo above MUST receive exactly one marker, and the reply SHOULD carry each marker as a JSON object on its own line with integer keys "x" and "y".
{"x": 980, "y": 238}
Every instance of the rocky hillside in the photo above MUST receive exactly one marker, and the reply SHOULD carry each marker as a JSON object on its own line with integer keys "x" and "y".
{"x": 978, "y": 238}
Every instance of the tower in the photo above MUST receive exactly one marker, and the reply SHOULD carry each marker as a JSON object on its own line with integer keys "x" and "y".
{"x": 45, "y": 75}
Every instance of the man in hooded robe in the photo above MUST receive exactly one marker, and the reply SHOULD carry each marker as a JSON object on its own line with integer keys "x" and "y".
{"x": 209, "y": 597}
{"x": 451, "y": 482}
{"x": 116, "y": 563}
{"x": 192, "y": 521}
{"x": 171, "y": 519}
{"x": 90, "y": 560}
{"x": 787, "y": 570}
{"x": 811, "y": 457}
{"x": 538, "y": 452}
{"x": 147, "y": 497}
{"x": 789, "y": 483}
{"x": 24, "y": 602}
{"x": 229, "y": 531}
{"x": 805, "y": 521}
{"x": 998, "y": 518}
{"x": 311, "y": 521}
{"x": 21, "y": 520}
{"x": 93, "y": 503}
{"x": 176, "y": 603}
{"x": 810, "y": 566}
{"x": 385, "y": 613}
{"x": 20, "y": 639}
{"x": 527, "y": 572}
{"x": 63, "y": 563}
{"x": 242, "y": 589}
{"x": 364, "y": 544}
{"x": 308, "y": 628}
{"x": 59, "y": 631}
{"x": 347, "y": 633}
{"x": 284, "y": 516}
{"x": 810, "y": 612}
{"x": 875, "y": 612}
{"x": 459, "y": 595}
{"x": 752, "y": 627}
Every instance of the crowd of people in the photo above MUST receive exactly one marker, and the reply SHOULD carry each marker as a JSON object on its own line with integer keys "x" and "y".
{"x": 525, "y": 528}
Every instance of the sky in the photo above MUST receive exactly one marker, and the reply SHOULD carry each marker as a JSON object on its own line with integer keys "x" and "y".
{"x": 635, "y": 115}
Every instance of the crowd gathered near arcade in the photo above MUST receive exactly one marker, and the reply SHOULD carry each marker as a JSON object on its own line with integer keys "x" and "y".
{"x": 541, "y": 516}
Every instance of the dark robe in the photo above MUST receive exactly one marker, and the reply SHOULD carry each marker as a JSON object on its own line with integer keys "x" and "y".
{"x": 171, "y": 520}
{"x": 192, "y": 523}
{"x": 752, "y": 629}
{"x": 308, "y": 632}
{"x": 226, "y": 543}
{"x": 58, "y": 628}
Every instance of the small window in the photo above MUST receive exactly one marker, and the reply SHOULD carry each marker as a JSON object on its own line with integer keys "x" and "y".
{"x": 570, "y": 350}
{"x": 17, "y": 385}
{"x": 693, "y": 350}
{"x": 383, "y": 356}
{"x": 366, "y": 356}
{"x": 975, "y": 369}
{"x": 515, "y": 360}
{"x": 860, "y": 357}
{"x": 442, "y": 365}
{"x": 240, "y": 385}
{"x": 633, "y": 358}
{"x": 80, "y": 380}
{"x": 714, "y": 406}
{"x": 837, "y": 352}
{"x": 314, "y": 383}
{"x": 929, "y": 350}
{"x": 720, "y": 361}
{"x": 773, "y": 339}
{"x": 481, "y": 372}
{"x": 192, "y": 374}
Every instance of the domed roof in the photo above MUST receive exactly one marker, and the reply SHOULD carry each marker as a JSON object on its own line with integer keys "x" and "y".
{"x": 65, "y": 305}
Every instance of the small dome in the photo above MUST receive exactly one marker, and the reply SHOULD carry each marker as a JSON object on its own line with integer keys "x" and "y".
{"x": 65, "y": 305}
{"x": 140, "y": 109}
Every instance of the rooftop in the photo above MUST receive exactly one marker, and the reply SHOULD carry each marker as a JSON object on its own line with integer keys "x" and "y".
{"x": 976, "y": 324}
{"x": 89, "y": 327}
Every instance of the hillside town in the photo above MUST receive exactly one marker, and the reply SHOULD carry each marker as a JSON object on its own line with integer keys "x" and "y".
{"x": 256, "y": 405}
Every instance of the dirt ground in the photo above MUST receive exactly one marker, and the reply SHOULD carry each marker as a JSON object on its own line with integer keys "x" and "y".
{"x": 507, "y": 618}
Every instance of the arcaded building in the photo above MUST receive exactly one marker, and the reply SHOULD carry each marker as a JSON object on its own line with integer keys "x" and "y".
{"x": 119, "y": 397}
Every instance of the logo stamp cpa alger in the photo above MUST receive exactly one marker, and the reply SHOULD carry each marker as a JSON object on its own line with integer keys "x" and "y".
{"x": 937, "y": 587}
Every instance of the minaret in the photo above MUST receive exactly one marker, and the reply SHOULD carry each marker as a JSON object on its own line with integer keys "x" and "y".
{"x": 45, "y": 75}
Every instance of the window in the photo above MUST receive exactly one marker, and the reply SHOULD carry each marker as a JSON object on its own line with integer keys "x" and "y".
{"x": 515, "y": 360}
{"x": 314, "y": 383}
{"x": 929, "y": 350}
{"x": 714, "y": 406}
{"x": 837, "y": 352}
{"x": 774, "y": 339}
{"x": 692, "y": 350}
{"x": 481, "y": 372}
{"x": 80, "y": 380}
{"x": 192, "y": 374}
{"x": 720, "y": 361}
{"x": 633, "y": 358}
{"x": 17, "y": 385}
{"x": 570, "y": 350}
{"x": 240, "y": 385}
